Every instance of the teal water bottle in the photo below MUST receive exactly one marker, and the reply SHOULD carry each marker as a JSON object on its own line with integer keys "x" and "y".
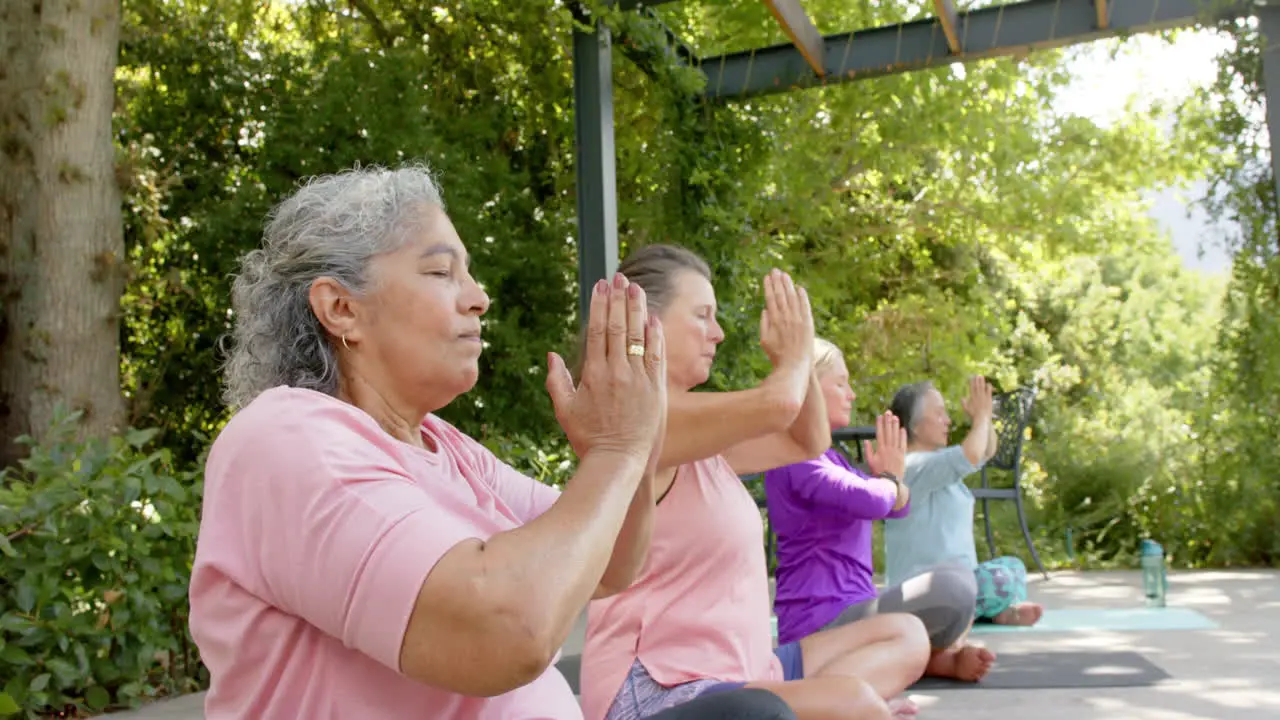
{"x": 1155, "y": 580}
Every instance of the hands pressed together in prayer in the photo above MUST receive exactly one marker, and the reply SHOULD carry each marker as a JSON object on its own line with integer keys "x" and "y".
{"x": 786, "y": 324}
{"x": 786, "y": 336}
{"x": 620, "y": 402}
{"x": 978, "y": 406}
{"x": 889, "y": 454}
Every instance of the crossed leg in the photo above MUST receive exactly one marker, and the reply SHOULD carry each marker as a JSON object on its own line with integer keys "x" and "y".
{"x": 1002, "y": 593}
{"x": 944, "y": 600}
{"x": 852, "y": 672}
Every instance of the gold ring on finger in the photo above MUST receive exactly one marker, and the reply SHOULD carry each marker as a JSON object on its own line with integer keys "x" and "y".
{"x": 636, "y": 349}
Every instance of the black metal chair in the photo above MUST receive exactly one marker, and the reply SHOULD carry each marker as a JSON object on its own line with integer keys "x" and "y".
{"x": 1012, "y": 414}
{"x": 849, "y": 441}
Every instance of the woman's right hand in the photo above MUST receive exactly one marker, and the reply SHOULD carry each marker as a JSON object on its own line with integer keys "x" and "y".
{"x": 889, "y": 454}
{"x": 978, "y": 406}
{"x": 620, "y": 402}
{"x": 786, "y": 325}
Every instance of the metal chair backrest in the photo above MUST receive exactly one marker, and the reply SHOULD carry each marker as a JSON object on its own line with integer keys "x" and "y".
{"x": 1011, "y": 417}
{"x": 848, "y": 441}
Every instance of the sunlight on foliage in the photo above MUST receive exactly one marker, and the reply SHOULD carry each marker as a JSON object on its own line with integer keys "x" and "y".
{"x": 945, "y": 222}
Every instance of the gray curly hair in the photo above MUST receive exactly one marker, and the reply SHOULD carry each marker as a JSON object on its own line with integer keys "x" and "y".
{"x": 333, "y": 226}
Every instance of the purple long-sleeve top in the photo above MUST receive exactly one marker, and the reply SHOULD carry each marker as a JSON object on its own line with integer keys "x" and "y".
{"x": 821, "y": 511}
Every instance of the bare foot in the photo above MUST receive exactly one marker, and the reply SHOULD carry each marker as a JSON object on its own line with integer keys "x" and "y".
{"x": 1026, "y": 614}
{"x": 969, "y": 663}
{"x": 902, "y": 708}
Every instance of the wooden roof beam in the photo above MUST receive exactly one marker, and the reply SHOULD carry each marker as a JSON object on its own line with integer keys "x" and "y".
{"x": 796, "y": 24}
{"x": 1104, "y": 14}
{"x": 950, "y": 20}
{"x": 1014, "y": 28}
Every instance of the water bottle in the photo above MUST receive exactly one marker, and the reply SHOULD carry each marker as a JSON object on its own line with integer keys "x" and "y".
{"x": 1155, "y": 580}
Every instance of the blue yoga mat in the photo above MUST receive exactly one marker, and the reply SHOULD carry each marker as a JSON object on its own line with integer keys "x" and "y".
{"x": 1130, "y": 619}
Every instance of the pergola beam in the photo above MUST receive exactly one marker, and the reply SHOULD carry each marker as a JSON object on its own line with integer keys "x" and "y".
{"x": 804, "y": 36}
{"x": 1269, "y": 24}
{"x": 1104, "y": 13}
{"x": 950, "y": 20}
{"x": 989, "y": 32}
{"x": 597, "y": 190}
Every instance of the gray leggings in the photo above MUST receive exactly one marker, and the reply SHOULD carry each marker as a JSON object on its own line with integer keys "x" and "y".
{"x": 943, "y": 598}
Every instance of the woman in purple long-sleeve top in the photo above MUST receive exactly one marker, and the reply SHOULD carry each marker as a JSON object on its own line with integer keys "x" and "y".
{"x": 822, "y": 512}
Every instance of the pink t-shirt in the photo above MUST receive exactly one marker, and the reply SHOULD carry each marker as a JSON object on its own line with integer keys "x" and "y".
{"x": 700, "y": 606}
{"x": 318, "y": 530}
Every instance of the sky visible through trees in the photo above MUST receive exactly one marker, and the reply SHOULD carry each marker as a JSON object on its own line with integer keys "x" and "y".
{"x": 1109, "y": 73}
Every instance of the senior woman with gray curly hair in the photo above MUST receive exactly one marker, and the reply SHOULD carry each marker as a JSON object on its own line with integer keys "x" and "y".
{"x": 358, "y": 556}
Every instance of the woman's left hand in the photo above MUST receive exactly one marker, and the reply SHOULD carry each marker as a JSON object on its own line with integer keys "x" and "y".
{"x": 890, "y": 451}
{"x": 786, "y": 323}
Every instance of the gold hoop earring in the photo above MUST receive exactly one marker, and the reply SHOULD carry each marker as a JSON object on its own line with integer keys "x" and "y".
{"x": 344, "y": 343}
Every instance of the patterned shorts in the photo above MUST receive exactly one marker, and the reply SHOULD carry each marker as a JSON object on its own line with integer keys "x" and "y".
{"x": 641, "y": 696}
{"x": 1002, "y": 583}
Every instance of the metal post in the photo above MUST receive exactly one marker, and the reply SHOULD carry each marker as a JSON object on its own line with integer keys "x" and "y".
{"x": 597, "y": 190}
{"x": 1269, "y": 24}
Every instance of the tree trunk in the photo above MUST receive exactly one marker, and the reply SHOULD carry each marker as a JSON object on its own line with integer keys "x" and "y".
{"x": 61, "y": 238}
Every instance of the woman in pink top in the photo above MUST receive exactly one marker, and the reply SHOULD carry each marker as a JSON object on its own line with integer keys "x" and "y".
{"x": 697, "y": 619}
{"x": 359, "y": 557}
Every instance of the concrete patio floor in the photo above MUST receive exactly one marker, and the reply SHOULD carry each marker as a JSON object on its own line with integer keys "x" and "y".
{"x": 1230, "y": 672}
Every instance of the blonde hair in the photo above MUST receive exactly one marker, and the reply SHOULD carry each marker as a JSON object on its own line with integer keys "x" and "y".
{"x": 825, "y": 355}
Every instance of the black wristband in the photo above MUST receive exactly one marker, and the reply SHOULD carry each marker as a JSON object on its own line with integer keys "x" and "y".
{"x": 886, "y": 475}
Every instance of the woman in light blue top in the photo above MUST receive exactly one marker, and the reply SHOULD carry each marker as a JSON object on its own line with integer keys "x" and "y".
{"x": 939, "y": 528}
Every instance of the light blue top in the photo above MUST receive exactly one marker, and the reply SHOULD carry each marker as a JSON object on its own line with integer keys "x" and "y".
{"x": 939, "y": 528}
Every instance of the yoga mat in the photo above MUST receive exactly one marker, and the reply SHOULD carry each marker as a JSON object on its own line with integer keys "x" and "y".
{"x": 1026, "y": 671}
{"x": 1130, "y": 619}
{"x": 571, "y": 667}
{"x": 1016, "y": 670}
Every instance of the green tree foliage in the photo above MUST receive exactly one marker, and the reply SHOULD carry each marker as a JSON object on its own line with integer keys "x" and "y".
{"x": 923, "y": 211}
{"x": 1118, "y": 456}
{"x": 946, "y": 222}
{"x": 1241, "y": 420}
{"x": 481, "y": 94}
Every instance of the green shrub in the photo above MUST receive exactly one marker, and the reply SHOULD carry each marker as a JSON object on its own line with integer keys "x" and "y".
{"x": 96, "y": 545}
{"x": 550, "y": 464}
